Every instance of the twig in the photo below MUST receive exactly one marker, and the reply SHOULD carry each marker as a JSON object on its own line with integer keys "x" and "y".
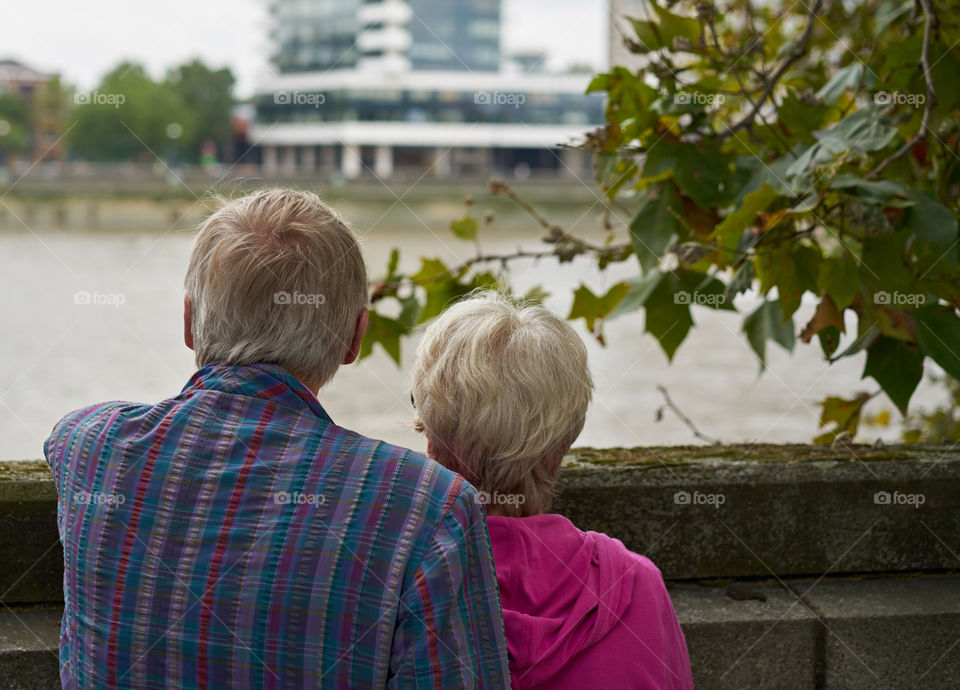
{"x": 555, "y": 233}
{"x": 683, "y": 418}
{"x": 498, "y": 186}
{"x": 772, "y": 80}
{"x": 931, "y": 94}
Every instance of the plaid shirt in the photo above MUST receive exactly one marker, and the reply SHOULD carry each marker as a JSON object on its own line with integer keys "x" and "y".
{"x": 235, "y": 537}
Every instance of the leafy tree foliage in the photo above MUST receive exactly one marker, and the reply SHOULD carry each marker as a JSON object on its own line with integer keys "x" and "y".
{"x": 795, "y": 148}
{"x": 13, "y": 125}
{"x": 131, "y": 116}
{"x": 208, "y": 94}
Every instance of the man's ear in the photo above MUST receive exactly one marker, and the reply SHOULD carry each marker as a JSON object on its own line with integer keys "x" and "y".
{"x": 187, "y": 321}
{"x": 354, "y": 350}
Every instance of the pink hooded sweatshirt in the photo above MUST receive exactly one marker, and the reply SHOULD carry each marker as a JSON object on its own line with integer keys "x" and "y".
{"x": 583, "y": 611}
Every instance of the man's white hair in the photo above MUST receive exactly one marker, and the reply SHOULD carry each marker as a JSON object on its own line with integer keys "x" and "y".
{"x": 502, "y": 392}
{"x": 276, "y": 276}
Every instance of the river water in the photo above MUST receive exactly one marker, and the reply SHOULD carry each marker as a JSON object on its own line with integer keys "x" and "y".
{"x": 57, "y": 354}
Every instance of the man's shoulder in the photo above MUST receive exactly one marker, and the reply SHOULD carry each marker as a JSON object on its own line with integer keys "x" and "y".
{"x": 431, "y": 489}
{"x": 88, "y": 418}
{"x": 412, "y": 466}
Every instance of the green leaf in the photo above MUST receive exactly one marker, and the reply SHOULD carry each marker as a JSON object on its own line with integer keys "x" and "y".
{"x": 668, "y": 26}
{"x": 883, "y": 265}
{"x": 593, "y": 309}
{"x": 801, "y": 117}
{"x": 793, "y": 270}
{"x": 844, "y": 413}
{"x": 837, "y": 278}
{"x": 535, "y": 295}
{"x": 767, "y": 323}
{"x": 702, "y": 171}
{"x": 861, "y": 131}
{"x": 666, "y": 318}
{"x": 637, "y": 293}
{"x": 935, "y": 226}
{"x": 889, "y": 11}
{"x": 655, "y": 227}
{"x": 742, "y": 281}
{"x": 392, "y": 264}
{"x": 383, "y": 330}
{"x": 440, "y": 295}
{"x": 430, "y": 271}
{"x": 409, "y": 312}
{"x": 867, "y": 336}
{"x": 731, "y": 228}
{"x": 897, "y": 367}
{"x": 874, "y": 191}
{"x": 697, "y": 288}
{"x": 705, "y": 174}
{"x": 829, "y": 338}
{"x": 938, "y": 334}
{"x": 843, "y": 80}
{"x": 465, "y": 228}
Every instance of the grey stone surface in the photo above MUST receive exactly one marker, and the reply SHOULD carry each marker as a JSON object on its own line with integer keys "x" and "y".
{"x": 30, "y": 548}
{"x": 869, "y": 633}
{"x": 747, "y": 643}
{"x": 28, "y": 648}
{"x": 890, "y": 632}
{"x": 789, "y": 510}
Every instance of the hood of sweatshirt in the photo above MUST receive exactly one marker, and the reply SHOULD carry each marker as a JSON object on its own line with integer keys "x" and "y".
{"x": 562, "y": 590}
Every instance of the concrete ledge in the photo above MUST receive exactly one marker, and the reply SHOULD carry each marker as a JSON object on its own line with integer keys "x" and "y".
{"x": 755, "y": 511}
{"x": 891, "y": 633}
{"x": 30, "y": 548}
{"x": 749, "y": 643}
{"x": 698, "y": 512}
{"x": 29, "y": 648}
{"x": 875, "y": 633}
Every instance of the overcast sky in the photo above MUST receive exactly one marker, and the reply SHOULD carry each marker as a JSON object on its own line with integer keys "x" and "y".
{"x": 82, "y": 40}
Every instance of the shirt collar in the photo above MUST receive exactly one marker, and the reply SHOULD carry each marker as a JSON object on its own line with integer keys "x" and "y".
{"x": 263, "y": 380}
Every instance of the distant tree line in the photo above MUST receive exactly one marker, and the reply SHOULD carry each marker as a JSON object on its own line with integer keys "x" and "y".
{"x": 129, "y": 116}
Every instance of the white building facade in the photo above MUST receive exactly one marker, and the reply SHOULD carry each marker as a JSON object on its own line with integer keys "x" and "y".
{"x": 367, "y": 88}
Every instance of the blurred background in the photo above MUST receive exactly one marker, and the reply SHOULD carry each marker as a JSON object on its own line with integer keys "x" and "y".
{"x": 118, "y": 127}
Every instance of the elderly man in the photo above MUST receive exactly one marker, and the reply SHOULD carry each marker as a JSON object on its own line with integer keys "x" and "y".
{"x": 234, "y": 536}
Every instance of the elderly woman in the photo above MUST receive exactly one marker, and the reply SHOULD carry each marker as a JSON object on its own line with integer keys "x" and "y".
{"x": 501, "y": 393}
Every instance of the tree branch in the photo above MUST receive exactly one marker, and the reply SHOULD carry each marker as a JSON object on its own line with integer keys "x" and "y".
{"x": 683, "y": 418}
{"x": 772, "y": 80}
{"x": 931, "y": 96}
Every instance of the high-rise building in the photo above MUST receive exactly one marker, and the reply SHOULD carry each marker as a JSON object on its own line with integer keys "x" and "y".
{"x": 369, "y": 87}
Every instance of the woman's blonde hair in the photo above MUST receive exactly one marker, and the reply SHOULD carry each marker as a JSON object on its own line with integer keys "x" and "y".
{"x": 276, "y": 276}
{"x": 502, "y": 392}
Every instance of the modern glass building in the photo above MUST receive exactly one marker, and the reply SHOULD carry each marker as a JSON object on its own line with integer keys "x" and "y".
{"x": 368, "y": 87}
